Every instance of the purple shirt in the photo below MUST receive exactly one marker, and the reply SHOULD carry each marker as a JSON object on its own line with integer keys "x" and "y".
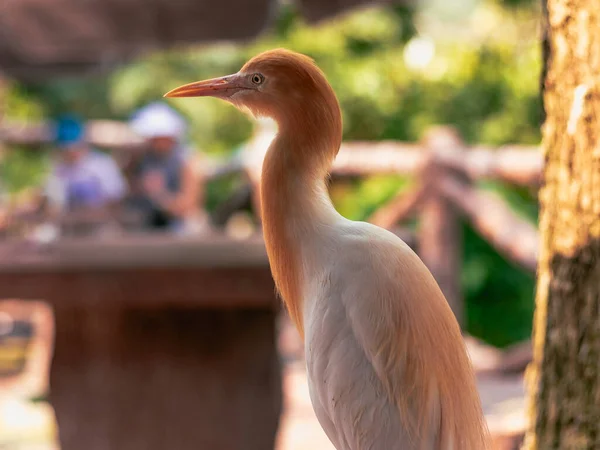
{"x": 92, "y": 182}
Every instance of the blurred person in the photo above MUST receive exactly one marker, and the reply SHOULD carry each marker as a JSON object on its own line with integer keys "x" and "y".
{"x": 166, "y": 188}
{"x": 85, "y": 185}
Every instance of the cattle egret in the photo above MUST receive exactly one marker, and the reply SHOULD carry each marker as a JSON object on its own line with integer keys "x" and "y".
{"x": 386, "y": 363}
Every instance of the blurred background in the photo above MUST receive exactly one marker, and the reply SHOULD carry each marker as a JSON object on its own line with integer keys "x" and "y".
{"x": 130, "y": 215}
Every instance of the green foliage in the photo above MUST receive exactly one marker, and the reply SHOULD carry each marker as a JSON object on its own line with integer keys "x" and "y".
{"x": 20, "y": 105}
{"x": 488, "y": 89}
{"x": 483, "y": 78}
{"x": 358, "y": 199}
{"x": 23, "y": 168}
{"x": 498, "y": 295}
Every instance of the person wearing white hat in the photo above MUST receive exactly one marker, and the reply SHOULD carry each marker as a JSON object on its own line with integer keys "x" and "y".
{"x": 166, "y": 186}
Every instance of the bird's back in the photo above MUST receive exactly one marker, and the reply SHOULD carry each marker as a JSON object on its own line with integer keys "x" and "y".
{"x": 387, "y": 366}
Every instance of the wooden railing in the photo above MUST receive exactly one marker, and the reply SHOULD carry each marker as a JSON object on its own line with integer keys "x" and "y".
{"x": 445, "y": 168}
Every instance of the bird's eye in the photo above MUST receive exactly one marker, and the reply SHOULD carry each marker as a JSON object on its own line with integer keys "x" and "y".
{"x": 257, "y": 78}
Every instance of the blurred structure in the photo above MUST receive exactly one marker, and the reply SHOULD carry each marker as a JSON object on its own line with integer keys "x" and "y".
{"x": 446, "y": 169}
{"x": 160, "y": 343}
{"x": 43, "y": 38}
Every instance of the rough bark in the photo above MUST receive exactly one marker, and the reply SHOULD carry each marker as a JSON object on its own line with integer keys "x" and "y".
{"x": 545, "y": 38}
{"x": 564, "y": 378}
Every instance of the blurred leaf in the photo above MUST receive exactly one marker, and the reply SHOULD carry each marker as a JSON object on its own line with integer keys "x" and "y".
{"x": 23, "y": 169}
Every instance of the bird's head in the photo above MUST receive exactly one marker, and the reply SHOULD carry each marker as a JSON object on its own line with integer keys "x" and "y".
{"x": 277, "y": 83}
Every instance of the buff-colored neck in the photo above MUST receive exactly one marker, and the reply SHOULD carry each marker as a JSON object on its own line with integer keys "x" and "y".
{"x": 295, "y": 204}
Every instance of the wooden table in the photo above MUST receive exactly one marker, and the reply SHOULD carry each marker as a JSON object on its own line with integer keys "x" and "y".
{"x": 161, "y": 342}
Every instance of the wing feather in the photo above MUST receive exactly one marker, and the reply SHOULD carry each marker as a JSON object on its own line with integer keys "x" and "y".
{"x": 405, "y": 327}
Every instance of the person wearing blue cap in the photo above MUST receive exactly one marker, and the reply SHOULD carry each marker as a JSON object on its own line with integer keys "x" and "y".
{"x": 84, "y": 181}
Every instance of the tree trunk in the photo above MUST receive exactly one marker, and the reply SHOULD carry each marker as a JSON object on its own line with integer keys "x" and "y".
{"x": 545, "y": 38}
{"x": 564, "y": 378}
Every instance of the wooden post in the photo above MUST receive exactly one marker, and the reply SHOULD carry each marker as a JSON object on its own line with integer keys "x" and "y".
{"x": 172, "y": 378}
{"x": 440, "y": 234}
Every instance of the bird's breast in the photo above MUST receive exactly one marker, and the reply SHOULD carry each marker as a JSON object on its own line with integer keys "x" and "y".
{"x": 347, "y": 396}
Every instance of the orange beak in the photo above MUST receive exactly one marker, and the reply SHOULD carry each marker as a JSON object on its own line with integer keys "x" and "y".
{"x": 222, "y": 87}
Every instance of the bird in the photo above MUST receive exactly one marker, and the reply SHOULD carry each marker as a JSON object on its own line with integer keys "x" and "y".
{"x": 387, "y": 368}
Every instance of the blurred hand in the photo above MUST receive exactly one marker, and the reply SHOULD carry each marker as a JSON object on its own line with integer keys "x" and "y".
{"x": 153, "y": 183}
